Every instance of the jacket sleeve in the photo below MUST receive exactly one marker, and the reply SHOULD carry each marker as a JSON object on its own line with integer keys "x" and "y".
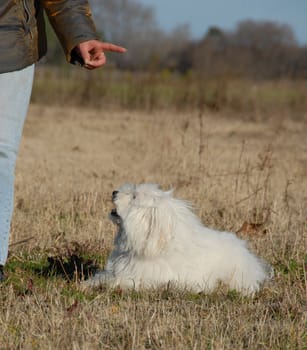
{"x": 72, "y": 22}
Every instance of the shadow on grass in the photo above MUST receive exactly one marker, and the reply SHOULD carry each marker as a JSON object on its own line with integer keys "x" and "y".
{"x": 71, "y": 261}
{"x": 70, "y": 267}
{"x": 73, "y": 267}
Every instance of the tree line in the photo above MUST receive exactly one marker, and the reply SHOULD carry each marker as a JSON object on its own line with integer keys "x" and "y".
{"x": 254, "y": 49}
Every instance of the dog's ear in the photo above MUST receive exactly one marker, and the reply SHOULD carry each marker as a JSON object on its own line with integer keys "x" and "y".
{"x": 161, "y": 230}
{"x": 149, "y": 230}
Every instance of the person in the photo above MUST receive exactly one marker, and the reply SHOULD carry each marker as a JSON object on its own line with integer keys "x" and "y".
{"x": 22, "y": 44}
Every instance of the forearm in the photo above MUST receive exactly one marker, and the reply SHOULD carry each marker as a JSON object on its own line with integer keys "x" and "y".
{"x": 72, "y": 22}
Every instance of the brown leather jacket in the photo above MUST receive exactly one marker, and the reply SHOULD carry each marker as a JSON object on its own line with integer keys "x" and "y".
{"x": 22, "y": 29}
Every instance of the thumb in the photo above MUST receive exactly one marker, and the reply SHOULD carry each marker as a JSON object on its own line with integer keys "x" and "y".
{"x": 85, "y": 53}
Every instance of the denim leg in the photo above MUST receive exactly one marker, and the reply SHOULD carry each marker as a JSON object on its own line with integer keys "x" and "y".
{"x": 15, "y": 92}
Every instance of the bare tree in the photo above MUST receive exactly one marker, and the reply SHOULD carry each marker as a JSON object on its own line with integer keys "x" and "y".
{"x": 130, "y": 24}
{"x": 263, "y": 35}
{"x": 255, "y": 49}
{"x": 134, "y": 26}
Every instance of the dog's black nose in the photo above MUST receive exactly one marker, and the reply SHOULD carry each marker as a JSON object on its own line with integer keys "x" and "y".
{"x": 114, "y": 194}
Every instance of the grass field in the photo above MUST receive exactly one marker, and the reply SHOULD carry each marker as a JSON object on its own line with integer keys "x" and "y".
{"x": 243, "y": 175}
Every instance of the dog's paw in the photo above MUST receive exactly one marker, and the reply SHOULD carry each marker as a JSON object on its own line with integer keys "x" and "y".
{"x": 88, "y": 284}
{"x": 95, "y": 281}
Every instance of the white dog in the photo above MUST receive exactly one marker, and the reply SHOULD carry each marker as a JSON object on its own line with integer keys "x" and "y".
{"x": 160, "y": 240}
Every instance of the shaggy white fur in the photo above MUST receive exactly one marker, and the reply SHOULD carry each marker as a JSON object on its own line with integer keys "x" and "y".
{"x": 160, "y": 240}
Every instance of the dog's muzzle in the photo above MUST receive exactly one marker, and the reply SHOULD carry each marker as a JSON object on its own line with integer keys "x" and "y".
{"x": 115, "y": 217}
{"x": 114, "y": 195}
{"x": 114, "y": 213}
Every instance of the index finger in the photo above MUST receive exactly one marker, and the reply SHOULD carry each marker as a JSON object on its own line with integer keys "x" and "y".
{"x": 113, "y": 48}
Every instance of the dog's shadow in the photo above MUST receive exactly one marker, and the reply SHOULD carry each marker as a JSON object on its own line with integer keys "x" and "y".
{"x": 71, "y": 268}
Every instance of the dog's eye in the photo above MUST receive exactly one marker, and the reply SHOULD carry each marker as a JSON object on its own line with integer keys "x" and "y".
{"x": 133, "y": 196}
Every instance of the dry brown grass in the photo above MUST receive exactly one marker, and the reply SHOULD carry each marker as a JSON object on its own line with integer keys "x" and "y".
{"x": 243, "y": 176}
{"x": 160, "y": 90}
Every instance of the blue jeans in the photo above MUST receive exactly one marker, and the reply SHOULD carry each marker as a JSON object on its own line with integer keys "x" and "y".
{"x": 15, "y": 92}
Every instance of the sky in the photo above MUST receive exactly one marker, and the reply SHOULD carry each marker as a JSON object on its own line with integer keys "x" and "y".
{"x": 202, "y": 14}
